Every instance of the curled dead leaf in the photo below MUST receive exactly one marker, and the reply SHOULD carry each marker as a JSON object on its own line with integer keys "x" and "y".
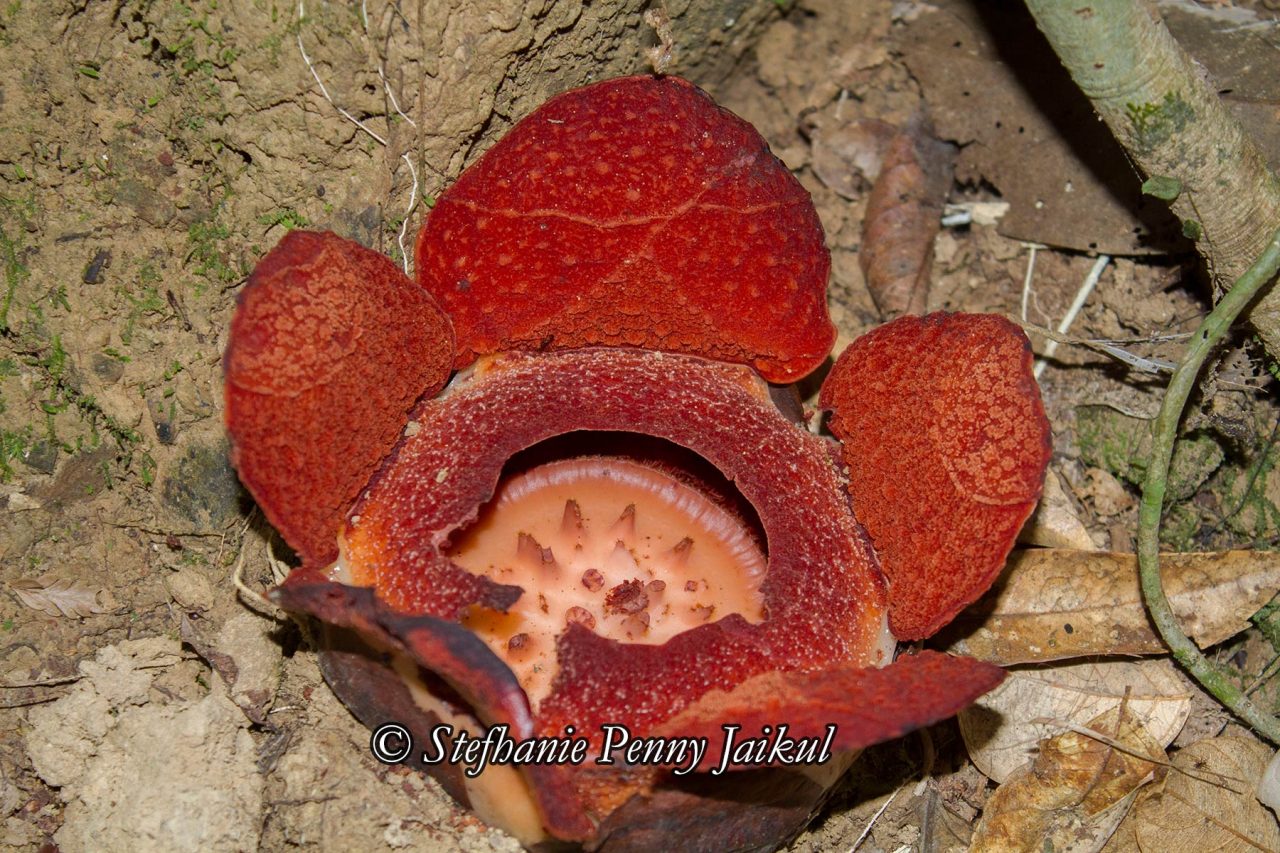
{"x": 903, "y": 215}
{"x": 1055, "y": 604}
{"x": 1001, "y": 729}
{"x": 1076, "y": 792}
{"x": 60, "y": 596}
{"x": 1207, "y": 802}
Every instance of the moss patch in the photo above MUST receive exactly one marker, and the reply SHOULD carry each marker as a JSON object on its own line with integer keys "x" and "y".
{"x": 1223, "y": 489}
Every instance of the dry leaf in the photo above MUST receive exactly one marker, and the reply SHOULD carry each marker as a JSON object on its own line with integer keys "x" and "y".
{"x": 1268, "y": 792}
{"x": 902, "y": 219}
{"x": 1055, "y": 604}
{"x": 1075, "y": 794}
{"x": 848, "y": 155}
{"x": 1210, "y": 806}
{"x": 1055, "y": 523}
{"x": 57, "y": 596}
{"x": 1002, "y": 728}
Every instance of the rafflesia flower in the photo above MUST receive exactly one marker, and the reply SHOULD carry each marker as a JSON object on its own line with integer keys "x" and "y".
{"x": 559, "y": 484}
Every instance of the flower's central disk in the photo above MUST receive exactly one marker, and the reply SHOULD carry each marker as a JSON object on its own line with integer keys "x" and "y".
{"x": 622, "y": 548}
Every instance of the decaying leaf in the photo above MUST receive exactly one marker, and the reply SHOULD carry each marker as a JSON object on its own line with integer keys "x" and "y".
{"x": 1055, "y": 523}
{"x": 1076, "y": 792}
{"x": 58, "y": 596}
{"x": 1207, "y": 803}
{"x": 1002, "y": 728}
{"x": 903, "y": 213}
{"x": 848, "y": 155}
{"x": 1056, "y": 604}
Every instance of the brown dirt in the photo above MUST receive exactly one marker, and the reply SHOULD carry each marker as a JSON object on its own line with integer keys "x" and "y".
{"x": 150, "y": 152}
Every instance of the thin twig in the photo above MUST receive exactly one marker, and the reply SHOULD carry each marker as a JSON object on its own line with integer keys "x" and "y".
{"x": 252, "y": 597}
{"x": 1263, "y": 676}
{"x": 1111, "y": 348}
{"x": 413, "y": 172}
{"x": 1061, "y": 338}
{"x": 1164, "y": 436}
{"x": 1032, "y": 248}
{"x": 382, "y": 74}
{"x": 1082, "y": 295}
{"x": 159, "y": 531}
{"x": 26, "y": 703}
{"x": 1106, "y": 347}
{"x": 875, "y": 817}
{"x": 1107, "y": 740}
{"x": 44, "y": 682}
{"x": 324, "y": 89}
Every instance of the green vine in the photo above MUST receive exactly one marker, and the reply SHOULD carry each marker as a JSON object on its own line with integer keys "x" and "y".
{"x": 1164, "y": 436}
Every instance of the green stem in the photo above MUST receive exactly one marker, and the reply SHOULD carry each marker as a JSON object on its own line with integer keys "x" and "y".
{"x": 1165, "y": 430}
